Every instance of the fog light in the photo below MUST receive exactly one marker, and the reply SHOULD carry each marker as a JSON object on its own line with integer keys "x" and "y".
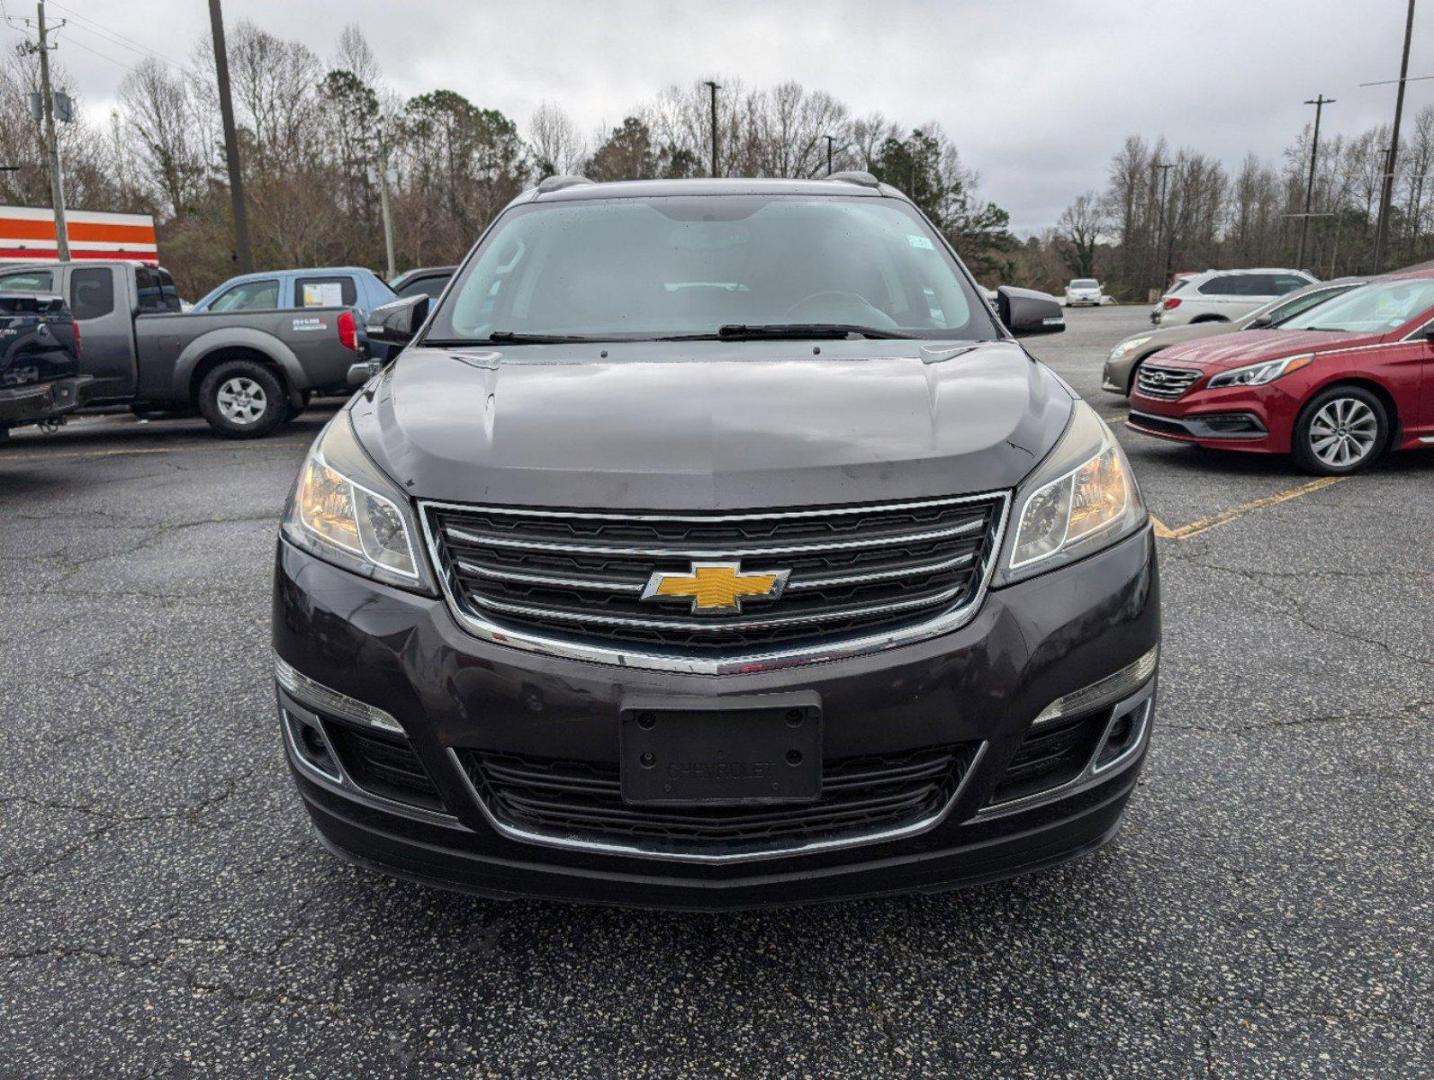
{"x": 1105, "y": 692}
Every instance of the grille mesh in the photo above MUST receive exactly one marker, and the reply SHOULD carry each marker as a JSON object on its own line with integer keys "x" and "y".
{"x": 851, "y": 570}
{"x": 577, "y": 799}
{"x": 1153, "y": 380}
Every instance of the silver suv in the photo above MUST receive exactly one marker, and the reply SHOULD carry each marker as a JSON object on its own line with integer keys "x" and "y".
{"x": 1224, "y": 295}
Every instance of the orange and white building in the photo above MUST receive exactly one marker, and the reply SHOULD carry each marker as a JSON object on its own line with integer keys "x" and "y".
{"x": 27, "y": 234}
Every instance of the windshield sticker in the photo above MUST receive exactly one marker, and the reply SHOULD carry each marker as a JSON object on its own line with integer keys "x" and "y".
{"x": 921, "y": 243}
{"x": 313, "y": 323}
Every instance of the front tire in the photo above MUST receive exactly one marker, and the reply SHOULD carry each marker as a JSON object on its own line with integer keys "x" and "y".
{"x": 242, "y": 399}
{"x": 1340, "y": 432}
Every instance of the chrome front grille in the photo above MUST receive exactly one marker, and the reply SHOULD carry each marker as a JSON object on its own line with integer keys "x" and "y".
{"x": 1165, "y": 382}
{"x": 581, "y": 576}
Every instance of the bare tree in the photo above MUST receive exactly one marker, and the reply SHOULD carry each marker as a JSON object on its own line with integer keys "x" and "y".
{"x": 557, "y": 147}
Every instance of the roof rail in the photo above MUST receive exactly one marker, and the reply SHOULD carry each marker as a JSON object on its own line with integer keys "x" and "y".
{"x": 557, "y": 183}
{"x": 856, "y": 176}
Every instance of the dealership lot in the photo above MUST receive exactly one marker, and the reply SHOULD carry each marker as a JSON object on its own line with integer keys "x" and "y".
{"x": 165, "y": 908}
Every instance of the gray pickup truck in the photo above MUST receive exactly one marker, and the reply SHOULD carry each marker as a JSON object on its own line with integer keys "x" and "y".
{"x": 244, "y": 372}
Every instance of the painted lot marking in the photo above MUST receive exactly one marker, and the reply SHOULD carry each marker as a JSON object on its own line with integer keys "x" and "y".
{"x": 1224, "y": 517}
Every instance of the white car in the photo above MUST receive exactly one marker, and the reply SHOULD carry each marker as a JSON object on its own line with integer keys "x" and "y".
{"x": 1083, "y": 292}
{"x": 1224, "y": 295}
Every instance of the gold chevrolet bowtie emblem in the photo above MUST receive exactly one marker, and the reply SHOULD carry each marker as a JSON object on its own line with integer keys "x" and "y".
{"x": 715, "y": 588}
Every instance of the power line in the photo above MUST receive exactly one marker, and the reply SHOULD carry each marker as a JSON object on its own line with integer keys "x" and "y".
{"x": 115, "y": 37}
{"x": 102, "y": 56}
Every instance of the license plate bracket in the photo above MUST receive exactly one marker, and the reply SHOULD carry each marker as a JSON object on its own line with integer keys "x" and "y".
{"x": 739, "y": 755}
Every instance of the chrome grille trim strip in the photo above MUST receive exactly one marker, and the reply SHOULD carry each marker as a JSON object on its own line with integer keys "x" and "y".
{"x": 742, "y": 663}
{"x": 1175, "y": 382}
{"x": 608, "y": 585}
{"x": 464, "y": 536}
{"x": 698, "y": 626}
{"x": 883, "y": 575}
{"x": 593, "y": 584}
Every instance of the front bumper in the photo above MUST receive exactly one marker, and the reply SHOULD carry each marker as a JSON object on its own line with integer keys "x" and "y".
{"x": 30, "y": 404}
{"x": 1252, "y": 419}
{"x": 980, "y": 686}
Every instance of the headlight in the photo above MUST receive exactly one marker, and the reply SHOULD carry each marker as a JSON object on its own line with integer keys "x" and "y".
{"x": 344, "y": 510}
{"x": 1082, "y": 497}
{"x": 1259, "y": 374}
{"x": 1128, "y": 346}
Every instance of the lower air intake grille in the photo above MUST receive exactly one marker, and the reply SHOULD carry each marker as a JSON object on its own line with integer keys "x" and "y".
{"x": 383, "y": 765}
{"x": 1051, "y": 755}
{"x": 582, "y": 800}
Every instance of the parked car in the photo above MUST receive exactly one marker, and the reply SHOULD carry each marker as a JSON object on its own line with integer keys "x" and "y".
{"x": 1224, "y": 295}
{"x": 1119, "y": 374}
{"x": 1334, "y": 387}
{"x": 428, "y": 280}
{"x": 281, "y": 290}
{"x": 712, "y": 543}
{"x": 40, "y": 376}
{"x": 1083, "y": 292}
{"x": 246, "y": 372}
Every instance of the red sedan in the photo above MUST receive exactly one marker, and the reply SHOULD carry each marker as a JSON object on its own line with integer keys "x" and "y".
{"x": 1334, "y": 387}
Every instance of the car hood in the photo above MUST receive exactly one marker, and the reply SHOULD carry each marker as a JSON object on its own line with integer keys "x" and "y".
{"x": 1241, "y": 347}
{"x": 717, "y": 425}
{"x": 1176, "y": 335}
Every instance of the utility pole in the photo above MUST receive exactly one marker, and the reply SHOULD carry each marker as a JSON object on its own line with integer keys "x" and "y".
{"x": 52, "y": 140}
{"x": 1381, "y": 233}
{"x": 714, "y": 88}
{"x": 829, "y": 154}
{"x": 1161, "y": 226}
{"x": 1319, "y": 103}
{"x": 383, "y": 201}
{"x": 243, "y": 258}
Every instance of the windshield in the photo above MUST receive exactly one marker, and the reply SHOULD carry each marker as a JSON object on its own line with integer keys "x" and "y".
{"x": 682, "y": 266}
{"x": 1277, "y": 312}
{"x": 1370, "y": 309}
{"x": 1083, "y": 283}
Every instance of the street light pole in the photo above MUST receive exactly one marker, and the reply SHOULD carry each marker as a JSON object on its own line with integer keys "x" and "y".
{"x": 1319, "y": 103}
{"x": 829, "y": 140}
{"x": 47, "y": 104}
{"x": 243, "y": 258}
{"x": 714, "y": 88}
{"x": 1381, "y": 233}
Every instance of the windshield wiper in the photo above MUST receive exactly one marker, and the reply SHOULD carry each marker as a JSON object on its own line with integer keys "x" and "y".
{"x": 825, "y": 331}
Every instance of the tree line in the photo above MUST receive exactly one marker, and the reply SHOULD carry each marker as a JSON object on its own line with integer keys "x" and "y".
{"x": 316, "y": 137}
{"x": 1165, "y": 210}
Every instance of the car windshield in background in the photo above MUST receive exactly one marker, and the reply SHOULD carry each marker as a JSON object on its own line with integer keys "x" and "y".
{"x": 1281, "y": 311}
{"x": 1083, "y": 283}
{"x": 1371, "y": 309}
{"x": 711, "y": 266}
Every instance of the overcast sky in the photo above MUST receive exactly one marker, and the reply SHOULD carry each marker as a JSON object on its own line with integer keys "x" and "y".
{"x": 1038, "y": 95}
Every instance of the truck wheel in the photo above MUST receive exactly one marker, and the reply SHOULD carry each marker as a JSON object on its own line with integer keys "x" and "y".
{"x": 243, "y": 400}
{"x": 1341, "y": 431}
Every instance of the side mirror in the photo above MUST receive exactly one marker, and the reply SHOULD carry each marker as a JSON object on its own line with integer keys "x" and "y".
{"x": 1261, "y": 323}
{"x": 1026, "y": 311}
{"x": 395, "y": 323}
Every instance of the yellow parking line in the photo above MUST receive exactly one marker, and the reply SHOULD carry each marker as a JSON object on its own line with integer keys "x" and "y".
{"x": 143, "y": 450}
{"x": 1195, "y": 528}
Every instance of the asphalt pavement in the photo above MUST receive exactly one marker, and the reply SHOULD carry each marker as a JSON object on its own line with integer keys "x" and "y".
{"x": 165, "y": 909}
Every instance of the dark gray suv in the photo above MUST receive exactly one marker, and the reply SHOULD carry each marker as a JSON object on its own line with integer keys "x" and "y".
{"x": 712, "y": 543}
